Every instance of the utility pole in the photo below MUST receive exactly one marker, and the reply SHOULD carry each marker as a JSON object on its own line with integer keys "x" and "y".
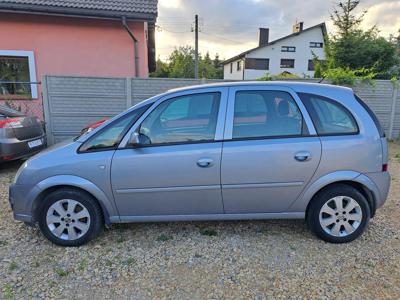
{"x": 196, "y": 46}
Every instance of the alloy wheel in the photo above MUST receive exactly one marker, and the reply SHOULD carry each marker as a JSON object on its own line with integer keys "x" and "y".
{"x": 340, "y": 216}
{"x": 68, "y": 219}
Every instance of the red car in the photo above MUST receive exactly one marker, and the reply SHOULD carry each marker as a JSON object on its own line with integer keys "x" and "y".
{"x": 92, "y": 126}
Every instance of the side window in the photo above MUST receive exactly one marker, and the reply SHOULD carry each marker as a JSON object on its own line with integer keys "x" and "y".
{"x": 266, "y": 114}
{"x": 329, "y": 116}
{"x": 110, "y": 136}
{"x": 182, "y": 119}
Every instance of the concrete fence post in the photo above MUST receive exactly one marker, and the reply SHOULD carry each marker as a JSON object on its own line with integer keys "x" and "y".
{"x": 393, "y": 109}
{"x": 128, "y": 92}
{"x": 46, "y": 111}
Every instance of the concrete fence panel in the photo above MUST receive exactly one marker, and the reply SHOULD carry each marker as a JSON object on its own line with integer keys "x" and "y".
{"x": 71, "y": 103}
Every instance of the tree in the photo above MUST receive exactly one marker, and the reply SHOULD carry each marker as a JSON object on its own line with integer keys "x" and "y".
{"x": 162, "y": 69}
{"x": 344, "y": 19}
{"x": 355, "y": 49}
{"x": 218, "y": 66}
{"x": 394, "y": 72}
{"x": 181, "y": 65}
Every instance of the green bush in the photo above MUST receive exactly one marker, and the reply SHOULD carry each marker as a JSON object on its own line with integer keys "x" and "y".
{"x": 346, "y": 76}
{"x": 283, "y": 75}
{"x": 208, "y": 231}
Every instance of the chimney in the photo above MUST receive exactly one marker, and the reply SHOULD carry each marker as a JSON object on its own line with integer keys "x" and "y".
{"x": 263, "y": 37}
{"x": 298, "y": 27}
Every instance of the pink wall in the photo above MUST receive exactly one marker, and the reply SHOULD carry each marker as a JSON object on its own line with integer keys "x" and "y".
{"x": 73, "y": 46}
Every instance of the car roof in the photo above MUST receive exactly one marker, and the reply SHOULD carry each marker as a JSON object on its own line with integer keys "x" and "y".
{"x": 297, "y": 86}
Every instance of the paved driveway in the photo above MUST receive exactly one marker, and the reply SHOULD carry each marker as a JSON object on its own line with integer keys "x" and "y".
{"x": 215, "y": 260}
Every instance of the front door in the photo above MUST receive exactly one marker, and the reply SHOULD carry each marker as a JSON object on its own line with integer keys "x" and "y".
{"x": 268, "y": 154}
{"x": 176, "y": 168}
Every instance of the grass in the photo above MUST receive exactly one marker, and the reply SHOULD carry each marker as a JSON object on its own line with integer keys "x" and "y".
{"x": 8, "y": 292}
{"x": 208, "y": 232}
{"x": 12, "y": 266}
{"x": 36, "y": 264}
{"x": 130, "y": 261}
{"x": 398, "y": 155}
{"x": 82, "y": 265}
{"x": 164, "y": 237}
{"x": 108, "y": 263}
{"x": 120, "y": 239}
{"x": 61, "y": 272}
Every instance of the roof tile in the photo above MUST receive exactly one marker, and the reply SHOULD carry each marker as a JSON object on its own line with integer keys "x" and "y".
{"x": 129, "y": 6}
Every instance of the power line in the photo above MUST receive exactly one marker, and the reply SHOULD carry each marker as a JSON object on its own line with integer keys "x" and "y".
{"x": 220, "y": 37}
{"x": 161, "y": 28}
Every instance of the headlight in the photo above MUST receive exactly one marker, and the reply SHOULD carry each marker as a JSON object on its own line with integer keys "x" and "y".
{"x": 21, "y": 168}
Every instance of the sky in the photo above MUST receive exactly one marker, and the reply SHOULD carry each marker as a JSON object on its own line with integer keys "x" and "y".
{"x": 229, "y": 27}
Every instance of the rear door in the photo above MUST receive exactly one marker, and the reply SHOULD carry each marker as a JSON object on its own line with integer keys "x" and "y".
{"x": 270, "y": 150}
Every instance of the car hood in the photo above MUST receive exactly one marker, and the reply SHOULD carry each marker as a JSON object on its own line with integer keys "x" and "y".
{"x": 55, "y": 148}
{"x": 35, "y": 168}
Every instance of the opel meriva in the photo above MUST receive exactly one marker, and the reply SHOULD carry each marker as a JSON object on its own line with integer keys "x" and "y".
{"x": 215, "y": 152}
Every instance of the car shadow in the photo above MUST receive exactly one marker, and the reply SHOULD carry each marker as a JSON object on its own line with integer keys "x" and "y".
{"x": 131, "y": 232}
{"x": 10, "y": 166}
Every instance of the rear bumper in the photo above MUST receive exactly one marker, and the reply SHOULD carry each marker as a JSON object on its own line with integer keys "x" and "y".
{"x": 382, "y": 182}
{"x": 12, "y": 149}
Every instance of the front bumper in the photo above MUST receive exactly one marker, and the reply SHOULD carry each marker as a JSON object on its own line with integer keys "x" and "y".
{"x": 21, "y": 199}
{"x": 12, "y": 149}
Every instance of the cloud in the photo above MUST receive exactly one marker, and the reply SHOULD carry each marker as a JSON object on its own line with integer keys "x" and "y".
{"x": 229, "y": 27}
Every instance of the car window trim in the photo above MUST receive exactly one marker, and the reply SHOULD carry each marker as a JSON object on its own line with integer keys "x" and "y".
{"x": 307, "y": 129}
{"x": 313, "y": 115}
{"x": 222, "y": 141}
{"x": 220, "y": 127}
{"x": 216, "y": 106}
{"x": 144, "y": 108}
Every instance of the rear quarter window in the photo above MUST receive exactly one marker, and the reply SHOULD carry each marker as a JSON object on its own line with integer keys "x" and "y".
{"x": 372, "y": 115}
{"x": 329, "y": 116}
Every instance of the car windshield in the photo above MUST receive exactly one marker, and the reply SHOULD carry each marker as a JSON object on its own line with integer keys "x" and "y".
{"x": 110, "y": 136}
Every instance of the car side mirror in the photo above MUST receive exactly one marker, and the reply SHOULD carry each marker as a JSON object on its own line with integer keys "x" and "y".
{"x": 134, "y": 140}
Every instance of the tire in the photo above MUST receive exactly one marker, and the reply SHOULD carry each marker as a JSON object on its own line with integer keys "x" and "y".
{"x": 70, "y": 217}
{"x": 334, "y": 224}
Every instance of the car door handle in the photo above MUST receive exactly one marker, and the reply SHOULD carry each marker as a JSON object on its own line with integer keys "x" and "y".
{"x": 302, "y": 156}
{"x": 205, "y": 162}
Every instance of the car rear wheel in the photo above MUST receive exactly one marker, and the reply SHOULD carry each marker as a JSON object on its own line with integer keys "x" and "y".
{"x": 70, "y": 217}
{"x": 338, "y": 214}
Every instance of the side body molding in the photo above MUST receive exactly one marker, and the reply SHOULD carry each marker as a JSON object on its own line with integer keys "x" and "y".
{"x": 300, "y": 204}
{"x": 107, "y": 205}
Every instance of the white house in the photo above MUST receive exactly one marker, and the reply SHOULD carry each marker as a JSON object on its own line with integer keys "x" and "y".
{"x": 292, "y": 54}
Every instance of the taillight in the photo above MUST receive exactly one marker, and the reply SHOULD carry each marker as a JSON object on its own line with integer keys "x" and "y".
{"x": 11, "y": 122}
{"x": 384, "y": 167}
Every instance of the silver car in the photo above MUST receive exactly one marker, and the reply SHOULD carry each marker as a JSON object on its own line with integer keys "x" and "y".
{"x": 232, "y": 151}
{"x": 20, "y": 135}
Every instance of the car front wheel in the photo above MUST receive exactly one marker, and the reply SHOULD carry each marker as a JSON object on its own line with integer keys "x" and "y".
{"x": 69, "y": 217}
{"x": 338, "y": 214}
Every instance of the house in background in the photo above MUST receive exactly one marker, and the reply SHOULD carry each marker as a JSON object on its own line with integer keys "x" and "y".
{"x": 69, "y": 37}
{"x": 292, "y": 54}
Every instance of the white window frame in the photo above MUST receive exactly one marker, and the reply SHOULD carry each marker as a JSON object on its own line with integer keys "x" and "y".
{"x": 32, "y": 67}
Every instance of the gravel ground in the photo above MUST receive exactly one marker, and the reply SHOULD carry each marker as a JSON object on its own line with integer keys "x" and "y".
{"x": 214, "y": 260}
